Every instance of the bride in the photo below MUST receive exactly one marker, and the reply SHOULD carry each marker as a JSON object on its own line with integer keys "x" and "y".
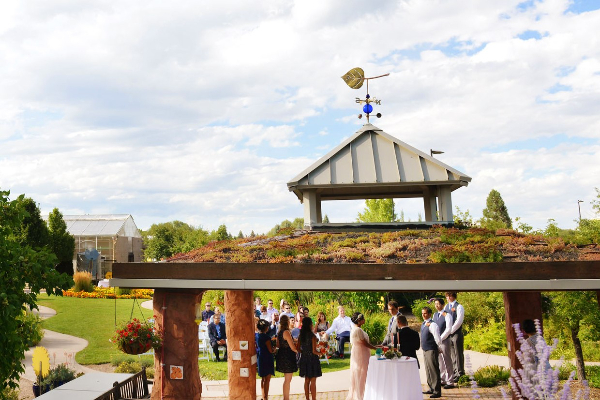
{"x": 359, "y": 359}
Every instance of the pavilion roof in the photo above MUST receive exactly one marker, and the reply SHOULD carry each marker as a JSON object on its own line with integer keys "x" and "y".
{"x": 372, "y": 162}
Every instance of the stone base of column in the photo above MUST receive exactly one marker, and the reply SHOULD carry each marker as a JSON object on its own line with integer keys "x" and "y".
{"x": 175, "y": 312}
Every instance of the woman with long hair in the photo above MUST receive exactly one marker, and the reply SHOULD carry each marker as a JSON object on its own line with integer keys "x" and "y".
{"x": 321, "y": 325}
{"x": 265, "y": 351}
{"x": 286, "y": 355}
{"x": 359, "y": 359}
{"x": 309, "y": 365}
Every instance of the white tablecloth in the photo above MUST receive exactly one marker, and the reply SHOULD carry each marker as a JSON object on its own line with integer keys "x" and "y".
{"x": 103, "y": 283}
{"x": 393, "y": 380}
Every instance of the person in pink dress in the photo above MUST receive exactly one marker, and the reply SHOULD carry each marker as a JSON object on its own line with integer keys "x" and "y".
{"x": 359, "y": 359}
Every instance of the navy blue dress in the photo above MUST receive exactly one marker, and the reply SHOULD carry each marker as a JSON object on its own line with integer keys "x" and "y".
{"x": 265, "y": 365}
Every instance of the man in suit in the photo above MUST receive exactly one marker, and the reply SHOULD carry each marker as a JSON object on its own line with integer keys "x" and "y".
{"x": 430, "y": 343}
{"x": 456, "y": 336}
{"x": 217, "y": 336}
{"x": 405, "y": 339}
{"x": 207, "y": 313}
{"x": 394, "y": 312}
{"x": 443, "y": 320}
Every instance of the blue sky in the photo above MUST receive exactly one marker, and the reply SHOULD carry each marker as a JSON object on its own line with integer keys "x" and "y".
{"x": 203, "y": 112}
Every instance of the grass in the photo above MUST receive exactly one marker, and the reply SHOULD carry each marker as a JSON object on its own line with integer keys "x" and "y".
{"x": 92, "y": 320}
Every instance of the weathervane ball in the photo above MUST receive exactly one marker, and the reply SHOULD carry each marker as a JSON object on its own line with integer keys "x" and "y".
{"x": 367, "y": 108}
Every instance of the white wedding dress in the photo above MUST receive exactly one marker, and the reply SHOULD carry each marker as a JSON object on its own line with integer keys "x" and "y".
{"x": 359, "y": 364}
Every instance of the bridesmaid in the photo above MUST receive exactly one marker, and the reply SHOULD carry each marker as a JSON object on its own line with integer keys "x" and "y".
{"x": 359, "y": 359}
{"x": 286, "y": 355}
{"x": 265, "y": 351}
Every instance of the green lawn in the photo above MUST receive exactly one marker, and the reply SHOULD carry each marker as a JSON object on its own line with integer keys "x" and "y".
{"x": 94, "y": 321}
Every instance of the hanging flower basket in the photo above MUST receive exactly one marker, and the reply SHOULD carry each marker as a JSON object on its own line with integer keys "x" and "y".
{"x": 137, "y": 337}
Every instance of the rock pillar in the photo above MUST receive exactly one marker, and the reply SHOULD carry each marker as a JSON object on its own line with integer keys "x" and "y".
{"x": 175, "y": 312}
{"x": 240, "y": 327}
{"x": 519, "y": 306}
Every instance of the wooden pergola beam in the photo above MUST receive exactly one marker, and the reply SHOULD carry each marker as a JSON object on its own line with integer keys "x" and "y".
{"x": 503, "y": 271}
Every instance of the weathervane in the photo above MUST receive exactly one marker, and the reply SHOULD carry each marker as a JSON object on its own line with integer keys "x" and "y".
{"x": 355, "y": 79}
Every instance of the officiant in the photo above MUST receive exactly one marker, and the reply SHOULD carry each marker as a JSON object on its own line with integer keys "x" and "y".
{"x": 394, "y": 311}
{"x": 405, "y": 339}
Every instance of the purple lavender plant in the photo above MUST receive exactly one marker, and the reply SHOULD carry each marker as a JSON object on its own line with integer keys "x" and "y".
{"x": 536, "y": 380}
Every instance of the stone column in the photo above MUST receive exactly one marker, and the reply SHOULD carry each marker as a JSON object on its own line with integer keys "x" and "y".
{"x": 429, "y": 202}
{"x": 445, "y": 204}
{"x": 175, "y": 312}
{"x": 240, "y": 326}
{"x": 519, "y": 306}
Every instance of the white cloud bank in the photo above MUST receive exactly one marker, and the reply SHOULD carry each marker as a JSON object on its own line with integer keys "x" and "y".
{"x": 203, "y": 111}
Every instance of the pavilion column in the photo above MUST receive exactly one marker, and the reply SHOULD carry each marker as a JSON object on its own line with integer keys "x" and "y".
{"x": 430, "y": 204}
{"x": 309, "y": 199}
{"x": 445, "y": 200}
{"x": 519, "y": 306}
{"x": 319, "y": 215}
{"x": 240, "y": 326}
{"x": 175, "y": 312}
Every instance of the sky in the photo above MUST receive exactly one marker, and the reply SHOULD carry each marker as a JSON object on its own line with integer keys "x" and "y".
{"x": 203, "y": 111}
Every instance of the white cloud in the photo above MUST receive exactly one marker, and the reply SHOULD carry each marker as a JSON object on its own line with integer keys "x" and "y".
{"x": 203, "y": 111}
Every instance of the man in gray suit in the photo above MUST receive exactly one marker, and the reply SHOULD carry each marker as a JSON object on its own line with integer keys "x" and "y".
{"x": 394, "y": 311}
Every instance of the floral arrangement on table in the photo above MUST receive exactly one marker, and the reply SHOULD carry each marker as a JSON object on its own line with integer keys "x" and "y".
{"x": 392, "y": 354}
{"x": 137, "y": 337}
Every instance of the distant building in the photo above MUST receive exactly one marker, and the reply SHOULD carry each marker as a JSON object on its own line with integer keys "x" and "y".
{"x": 101, "y": 240}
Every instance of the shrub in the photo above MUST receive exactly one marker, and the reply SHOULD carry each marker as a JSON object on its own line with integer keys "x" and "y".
{"x": 491, "y": 375}
{"x": 133, "y": 367}
{"x": 83, "y": 282}
{"x": 9, "y": 394}
{"x": 30, "y": 328}
{"x": 489, "y": 338}
{"x": 375, "y": 326}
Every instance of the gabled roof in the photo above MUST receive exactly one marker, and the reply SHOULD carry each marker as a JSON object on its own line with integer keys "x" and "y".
{"x": 372, "y": 158}
{"x": 101, "y": 225}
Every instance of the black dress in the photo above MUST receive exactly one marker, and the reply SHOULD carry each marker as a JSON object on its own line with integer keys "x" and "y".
{"x": 309, "y": 364}
{"x": 286, "y": 358}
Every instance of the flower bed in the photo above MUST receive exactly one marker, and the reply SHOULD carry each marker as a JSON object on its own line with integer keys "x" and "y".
{"x": 109, "y": 293}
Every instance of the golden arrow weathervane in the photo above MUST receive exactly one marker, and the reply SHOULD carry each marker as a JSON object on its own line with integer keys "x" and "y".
{"x": 355, "y": 79}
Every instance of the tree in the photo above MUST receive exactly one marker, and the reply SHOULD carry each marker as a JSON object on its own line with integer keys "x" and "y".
{"x": 21, "y": 263}
{"x": 221, "y": 233}
{"x": 168, "y": 238}
{"x": 495, "y": 215}
{"x": 572, "y": 311}
{"x": 378, "y": 210}
{"x": 325, "y": 219}
{"x": 240, "y": 235}
{"x": 32, "y": 229}
{"x": 62, "y": 242}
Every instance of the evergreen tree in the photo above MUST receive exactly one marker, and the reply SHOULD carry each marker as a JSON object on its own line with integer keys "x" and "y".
{"x": 252, "y": 234}
{"x": 221, "y": 233}
{"x": 378, "y": 210}
{"x": 495, "y": 215}
{"x": 240, "y": 235}
{"x": 62, "y": 242}
{"x": 33, "y": 230}
{"x": 325, "y": 219}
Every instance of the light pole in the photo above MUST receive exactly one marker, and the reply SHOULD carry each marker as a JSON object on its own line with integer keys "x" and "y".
{"x": 579, "y": 207}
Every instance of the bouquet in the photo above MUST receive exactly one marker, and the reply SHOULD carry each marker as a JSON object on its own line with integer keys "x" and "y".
{"x": 322, "y": 348}
{"x": 137, "y": 337}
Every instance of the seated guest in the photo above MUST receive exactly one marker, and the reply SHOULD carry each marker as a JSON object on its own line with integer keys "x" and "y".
{"x": 282, "y": 304}
{"x": 321, "y": 325}
{"x": 299, "y": 316}
{"x": 217, "y": 311}
{"x": 274, "y": 325}
{"x": 287, "y": 311}
{"x": 217, "y": 336}
{"x": 342, "y": 325}
{"x": 270, "y": 308}
{"x": 207, "y": 313}
{"x": 405, "y": 339}
{"x": 264, "y": 314}
{"x": 295, "y": 331}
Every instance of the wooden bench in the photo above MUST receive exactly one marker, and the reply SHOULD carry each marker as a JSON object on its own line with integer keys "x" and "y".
{"x": 135, "y": 387}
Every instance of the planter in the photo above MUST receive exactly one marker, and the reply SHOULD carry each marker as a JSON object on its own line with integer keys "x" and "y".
{"x": 135, "y": 348}
{"x": 36, "y": 389}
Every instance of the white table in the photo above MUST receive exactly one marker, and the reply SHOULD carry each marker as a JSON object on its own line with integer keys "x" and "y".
{"x": 86, "y": 387}
{"x": 103, "y": 283}
{"x": 393, "y": 380}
